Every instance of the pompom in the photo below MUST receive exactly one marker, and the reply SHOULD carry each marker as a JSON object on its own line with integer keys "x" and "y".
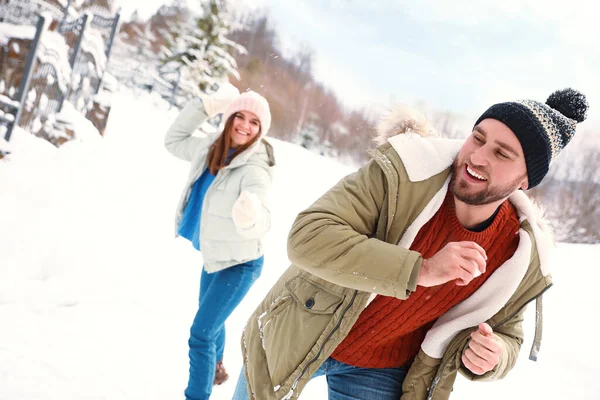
{"x": 570, "y": 103}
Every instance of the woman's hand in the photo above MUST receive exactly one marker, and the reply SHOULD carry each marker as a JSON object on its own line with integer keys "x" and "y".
{"x": 246, "y": 210}
{"x": 215, "y": 103}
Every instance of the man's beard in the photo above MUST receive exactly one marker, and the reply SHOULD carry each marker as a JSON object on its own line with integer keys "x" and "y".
{"x": 490, "y": 194}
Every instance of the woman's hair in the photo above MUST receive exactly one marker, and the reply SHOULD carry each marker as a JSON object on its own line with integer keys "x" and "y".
{"x": 217, "y": 155}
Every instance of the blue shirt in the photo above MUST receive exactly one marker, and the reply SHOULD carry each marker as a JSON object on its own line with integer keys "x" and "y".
{"x": 189, "y": 227}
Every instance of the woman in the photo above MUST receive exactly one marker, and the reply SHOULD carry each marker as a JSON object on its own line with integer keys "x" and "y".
{"x": 223, "y": 213}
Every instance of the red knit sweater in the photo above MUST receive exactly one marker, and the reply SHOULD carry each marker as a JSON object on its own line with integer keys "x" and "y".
{"x": 389, "y": 332}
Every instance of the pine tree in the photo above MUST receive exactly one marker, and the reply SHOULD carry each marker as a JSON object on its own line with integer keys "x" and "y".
{"x": 201, "y": 50}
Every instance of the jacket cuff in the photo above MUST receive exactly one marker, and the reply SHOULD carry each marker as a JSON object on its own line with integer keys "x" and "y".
{"x": 411, "y": 286}
{"x": 406, "y": 282}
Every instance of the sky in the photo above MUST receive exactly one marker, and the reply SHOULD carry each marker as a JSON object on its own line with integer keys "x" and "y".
{"x": 461, "y": 56}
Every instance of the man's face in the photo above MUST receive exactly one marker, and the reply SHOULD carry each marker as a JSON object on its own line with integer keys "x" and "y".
{"x": 490, "y": 166}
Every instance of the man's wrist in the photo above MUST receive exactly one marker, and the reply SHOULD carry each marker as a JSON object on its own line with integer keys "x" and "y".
{"x": 422, "y": 271}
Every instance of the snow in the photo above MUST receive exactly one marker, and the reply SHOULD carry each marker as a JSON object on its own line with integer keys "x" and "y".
{"x": 8, "y": 31}
{"x": 6, "y": 116}
{"x": 30, "y": 100}
{"x": 83, "y": 127}
{"x": 103, "y": 98}
{"x": 55, "y": 51}
{"x": 16, "y": 48}
{"x": 4, "y": 145}
{"x": 109, "y": 82}
{"x": 96, "y": 296}
{"x": 37, "y": 125}
{"x": 8, "y": 101}
{"x": 93, "y": 43}
{"x": 26, "y": 148}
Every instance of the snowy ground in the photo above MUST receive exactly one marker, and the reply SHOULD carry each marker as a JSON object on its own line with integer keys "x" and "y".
{"x": 96, "y": 296}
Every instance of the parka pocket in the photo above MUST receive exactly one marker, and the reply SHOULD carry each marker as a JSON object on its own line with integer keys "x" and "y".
{"x": 420, "y": 376}
{"x": 294, "y": 323}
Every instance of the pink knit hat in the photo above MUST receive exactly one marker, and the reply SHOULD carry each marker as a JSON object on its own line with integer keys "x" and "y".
{"x": 253, "y": 102}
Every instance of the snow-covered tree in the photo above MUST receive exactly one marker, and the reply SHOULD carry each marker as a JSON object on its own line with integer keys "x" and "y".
{"x": 145, "y": 37}
{"x": 166, "y": 22}
{"x": 201, "y": 51}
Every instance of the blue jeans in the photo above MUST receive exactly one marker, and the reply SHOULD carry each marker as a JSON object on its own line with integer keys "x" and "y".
{"x": 220, "y": 294}
{"x": 346, "y": 382}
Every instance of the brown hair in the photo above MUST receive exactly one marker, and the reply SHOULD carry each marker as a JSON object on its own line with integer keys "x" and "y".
{"x": 217, "y": 155}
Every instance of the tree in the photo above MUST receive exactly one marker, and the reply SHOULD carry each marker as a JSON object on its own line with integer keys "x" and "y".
{"x": 571, "y": 194}
{"x": 106, "y": 6}
{"x": 165, "y": 22}
{"x": 201, "y": 50}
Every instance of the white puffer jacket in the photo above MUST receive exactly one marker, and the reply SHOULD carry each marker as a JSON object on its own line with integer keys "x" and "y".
{"x": 222, "y": 243}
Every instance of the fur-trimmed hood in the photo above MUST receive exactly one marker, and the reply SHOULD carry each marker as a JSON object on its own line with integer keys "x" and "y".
{"x": 403, "y": 119}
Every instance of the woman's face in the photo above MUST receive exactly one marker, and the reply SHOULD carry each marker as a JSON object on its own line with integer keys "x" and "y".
{"x": 244, "y": 128}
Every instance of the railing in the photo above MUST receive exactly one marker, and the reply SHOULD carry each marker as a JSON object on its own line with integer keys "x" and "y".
{"x": 15, "y": 107}
{"x": 66, "y": 60}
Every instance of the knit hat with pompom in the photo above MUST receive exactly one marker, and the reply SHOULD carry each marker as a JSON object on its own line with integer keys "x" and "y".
{"x": 543, "y": 129}
{"x": 253, "y": 102}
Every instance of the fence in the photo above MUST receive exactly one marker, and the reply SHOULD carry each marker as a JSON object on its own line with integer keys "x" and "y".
{"x": 13, "y": 109}
{"x": 26, "y": 12}
{"x": 135, "y": 69}
{"x": 89, "y": 64}
{"x": 66, "y": 60}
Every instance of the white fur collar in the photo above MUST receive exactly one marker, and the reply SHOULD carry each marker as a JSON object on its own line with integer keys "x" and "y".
{"x": 499, "y": 288}
{"x": 424, "y": 157}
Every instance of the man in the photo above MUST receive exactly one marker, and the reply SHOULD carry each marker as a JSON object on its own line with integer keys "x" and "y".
{"x": 417, "y": 266}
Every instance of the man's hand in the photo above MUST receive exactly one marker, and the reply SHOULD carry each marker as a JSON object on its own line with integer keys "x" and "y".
{"x": 484, "y": 351}
{"x": 457, "y": 261}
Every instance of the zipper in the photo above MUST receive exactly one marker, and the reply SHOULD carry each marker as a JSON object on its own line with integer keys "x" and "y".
{"x": 316, "y": 357}
{"x": 378, "y": 157}
{"x": 523, "y": 306}
{"x": 441, "y": 370}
